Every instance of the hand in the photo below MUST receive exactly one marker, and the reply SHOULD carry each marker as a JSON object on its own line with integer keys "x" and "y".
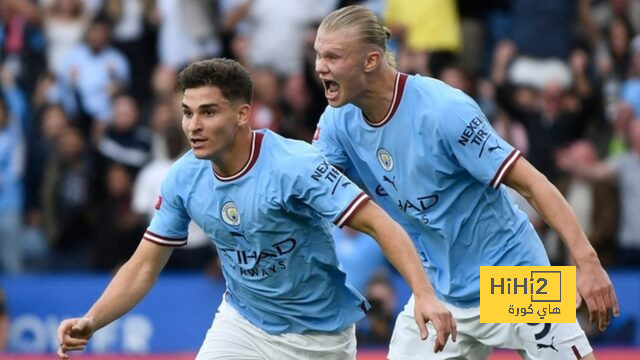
{"x": 73, "y": 334}
{"x": 597, "y": 291}
{"x": 429, "y": 308}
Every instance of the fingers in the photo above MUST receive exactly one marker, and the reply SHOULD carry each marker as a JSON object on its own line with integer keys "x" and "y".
{"x": 592, "y": 306}
{"x": 614, "y": 302}
{"x": 454, "y": 329}
{"x": 578, "y": 299}
{"x": 422, "y": 325}
{"x": 442, "y": 333}
{"x": 62, "y": 354}
{"x": 603, "y": 314}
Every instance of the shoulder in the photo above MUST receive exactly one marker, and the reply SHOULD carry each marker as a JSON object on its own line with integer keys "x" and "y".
{"x": 285, "y": 153}
{"x": 183, "y": 171}
{"x": 333, "y": 115}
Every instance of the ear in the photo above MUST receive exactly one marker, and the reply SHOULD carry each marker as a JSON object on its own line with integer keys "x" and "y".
{"x": 372, "y": 60}
{"x": 243, "y": 112}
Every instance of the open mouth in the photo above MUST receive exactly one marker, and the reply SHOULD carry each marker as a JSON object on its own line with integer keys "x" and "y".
{"x": 331, "y": 89}
{"x": 197, "y": 142}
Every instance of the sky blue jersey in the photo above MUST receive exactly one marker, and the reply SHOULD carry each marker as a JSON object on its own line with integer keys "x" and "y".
{"x": 271, "y": 224}
{"x": 435, "y": 165}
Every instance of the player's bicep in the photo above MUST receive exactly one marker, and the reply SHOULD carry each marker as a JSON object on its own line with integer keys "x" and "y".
{"x": 325, "y": 139}
{"x": 169, "y": 225}
{"x": 476, "y": 146}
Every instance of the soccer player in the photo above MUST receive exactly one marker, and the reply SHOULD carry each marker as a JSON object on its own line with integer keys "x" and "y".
{"x": 267, "y": 203}
{"x": 428, "y": 156}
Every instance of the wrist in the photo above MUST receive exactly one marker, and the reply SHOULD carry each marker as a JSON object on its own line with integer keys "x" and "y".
{"x": 586, "y": 258}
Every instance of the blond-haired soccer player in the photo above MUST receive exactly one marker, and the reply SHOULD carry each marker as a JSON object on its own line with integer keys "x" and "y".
{"x": 427, "y": 154}
{"x": 267, "y": 203}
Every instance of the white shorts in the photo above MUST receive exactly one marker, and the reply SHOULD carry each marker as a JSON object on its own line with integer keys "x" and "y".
{"x": 232, "y": 336}
{"x": 475, "y": 340}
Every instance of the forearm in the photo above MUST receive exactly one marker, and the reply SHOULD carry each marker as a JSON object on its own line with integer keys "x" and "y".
{"x": 130, "y": 284}
{"x": 127, "y": 288}
{"x": 395, "y": 244}
{"x": 555, "y": 210}
{"x": 400, "y": 251}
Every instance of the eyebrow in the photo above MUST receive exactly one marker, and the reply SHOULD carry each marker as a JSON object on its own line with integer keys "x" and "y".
{"x": 203, "y": 106}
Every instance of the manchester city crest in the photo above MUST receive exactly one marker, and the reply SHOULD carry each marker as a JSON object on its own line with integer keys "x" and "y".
{"x": 385, "y": 159}
{"x": 230, "y": 214}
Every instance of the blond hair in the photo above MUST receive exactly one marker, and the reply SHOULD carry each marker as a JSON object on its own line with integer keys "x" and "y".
{"x": 370, "y": 27}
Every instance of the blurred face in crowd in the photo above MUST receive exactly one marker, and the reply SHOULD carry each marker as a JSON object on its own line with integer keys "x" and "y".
{"x": 266, "y": 87}
{"x": 340, "y": 64}
{"x": 211, "y": 122}
{"x": 54, "y": 121}
{"x": 125, "y": 113}
{"x": 118, "y": 181}
{"x": 98, "y": 36}
{"x": 552, "y": 100}
{"x": 71, "y": 143}
{"x": 619, "y": 37}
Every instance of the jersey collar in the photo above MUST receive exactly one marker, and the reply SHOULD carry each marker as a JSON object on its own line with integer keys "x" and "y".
{"x": 398, "y": 90}
{"x": 256, "y": 142}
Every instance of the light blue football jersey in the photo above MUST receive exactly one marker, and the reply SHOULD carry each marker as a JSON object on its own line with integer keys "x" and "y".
{"x": 435, "y": 165}
{"x": 271, "y": 224}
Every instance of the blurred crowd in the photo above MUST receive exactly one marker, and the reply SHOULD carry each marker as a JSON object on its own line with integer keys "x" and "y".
{"x": 90, "y": 119}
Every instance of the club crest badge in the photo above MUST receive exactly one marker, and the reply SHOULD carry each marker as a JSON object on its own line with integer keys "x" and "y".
{"x": 230, "y": 214}
{"x": 385, "y": 159}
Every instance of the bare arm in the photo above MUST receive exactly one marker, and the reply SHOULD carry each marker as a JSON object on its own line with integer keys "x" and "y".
{"x": 130, "y": 284}
{"x": 399, "y": 249}
{"x": 593, "y": 282}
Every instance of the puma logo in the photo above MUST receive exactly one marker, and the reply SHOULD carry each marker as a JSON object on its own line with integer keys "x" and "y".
{"x": 493, "y": 148}
{"x": 392, "y": 182}
{"x": 550, "y": 346}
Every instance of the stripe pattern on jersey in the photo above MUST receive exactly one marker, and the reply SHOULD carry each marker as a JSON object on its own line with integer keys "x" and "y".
{"x": 507, "y": 164}
{"x": 163, "y": 240}
{"x": 355, "y": 205}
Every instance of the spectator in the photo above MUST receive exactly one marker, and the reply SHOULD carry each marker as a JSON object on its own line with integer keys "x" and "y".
{"x": 134, "y": 35}
{"x": 125, "y": 141}
{"x": 625, "y": 169}
{"x": 91, "y": 73}
{"x": 119, "y": 230}
{"x": 12, "y": 109}
{"x": 64, "y": 23}
{"x": 378, "y": 325}
{"x": 186, "y": 31}
{"x": 276, "y": 31}
{"x": 67, "y": 208}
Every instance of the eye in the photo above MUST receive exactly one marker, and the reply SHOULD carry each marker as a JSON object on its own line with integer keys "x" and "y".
{"x": 187, "y": 113}
{"x": 209, "y": 113}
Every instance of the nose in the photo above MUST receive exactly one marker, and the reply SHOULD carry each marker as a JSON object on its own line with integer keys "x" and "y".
{"x": 194, "y": 123}
{"x": 321, "y": 66}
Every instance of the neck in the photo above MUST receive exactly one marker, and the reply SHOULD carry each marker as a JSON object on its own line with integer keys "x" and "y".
{"x": 232, "y": 160}
{"x": 378, "y": 95}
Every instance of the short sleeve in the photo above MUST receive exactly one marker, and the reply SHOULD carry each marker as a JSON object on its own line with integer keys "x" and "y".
{"x": 322, "y": 187}
{"x": 470, "y": 138}
{"x": 326, "y": 140}
{"x": 170, "y": 223}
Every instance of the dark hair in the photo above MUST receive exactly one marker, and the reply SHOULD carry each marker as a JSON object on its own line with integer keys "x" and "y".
{"x": 229, "y": 76}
